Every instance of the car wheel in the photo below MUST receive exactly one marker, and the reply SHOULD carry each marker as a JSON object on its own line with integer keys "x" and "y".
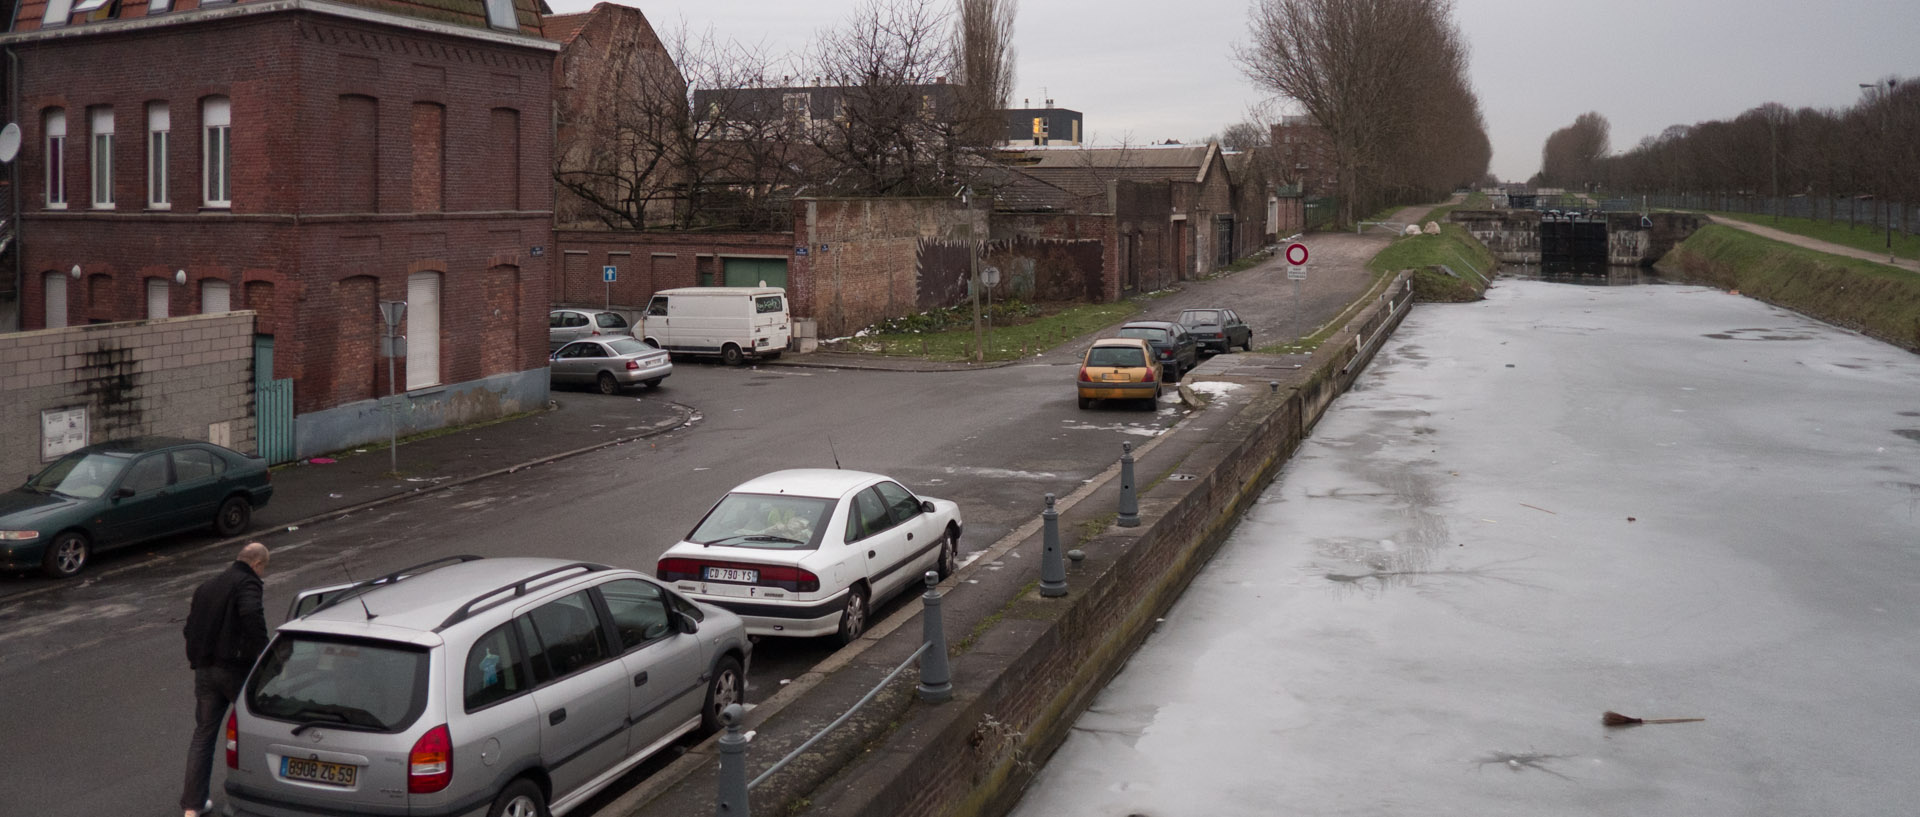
{"x": 1086, "y": 402}
{"x": 1154, "y": 404}
{"x": 949, "y": 554}
{"x": 654, "y": 383}
{"x": 731, "y": 355}
{"x": 521, "y": 798}
{"x": 67, "y": 555}
{"x": 727, "y": 686}
{"x": 1247, "y": 345}
{"x": 853, "y": 617}
{"x": 1173, "y": 373}
{"x": 608, "y": 385}
{"x": 653, "y": 343}
{"x": 234, "y": 515}
{"x": 770, "y": 355}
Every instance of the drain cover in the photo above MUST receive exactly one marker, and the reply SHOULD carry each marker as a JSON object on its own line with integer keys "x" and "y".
{"x": 1182, "y": 478}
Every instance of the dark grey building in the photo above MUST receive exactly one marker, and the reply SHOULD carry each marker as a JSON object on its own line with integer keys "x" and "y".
{"x": 1043, "y": 126}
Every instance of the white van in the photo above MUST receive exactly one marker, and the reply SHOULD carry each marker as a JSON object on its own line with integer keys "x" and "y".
{"x": 735, "y": 323}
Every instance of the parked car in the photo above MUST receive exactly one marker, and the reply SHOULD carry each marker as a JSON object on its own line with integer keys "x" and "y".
{"x": 1217, "y": 328}
{"x": 1120, "y": 369}
{"x": 1172, "y": 345}
{"x": 610, "y": 364}
{"x": 124, "y": 492}
{"x": 567, "y": 325}
{"x": 476, "y": 686}
{"x": 811, "y": 552}
{"x": 735, "y": 323}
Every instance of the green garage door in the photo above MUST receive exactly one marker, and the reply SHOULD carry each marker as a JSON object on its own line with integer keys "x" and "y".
{"x": 749, "y": 272}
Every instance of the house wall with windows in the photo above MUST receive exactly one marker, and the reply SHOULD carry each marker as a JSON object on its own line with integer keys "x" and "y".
{"x": 317, "y": 159}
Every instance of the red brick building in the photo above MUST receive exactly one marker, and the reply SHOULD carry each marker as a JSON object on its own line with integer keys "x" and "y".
{"x": 1305, "y": 155}
{"x": 307, "y": 160}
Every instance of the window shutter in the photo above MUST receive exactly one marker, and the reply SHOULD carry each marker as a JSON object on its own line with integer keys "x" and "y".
{"x": 423, "y": 330}
{"x": 215, "y": 297}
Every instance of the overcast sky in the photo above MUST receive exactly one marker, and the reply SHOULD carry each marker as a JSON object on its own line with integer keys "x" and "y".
{"x": 1151, "y": 71}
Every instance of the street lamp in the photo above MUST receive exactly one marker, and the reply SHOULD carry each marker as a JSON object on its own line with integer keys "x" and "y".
{"x": 1882, "y": 94}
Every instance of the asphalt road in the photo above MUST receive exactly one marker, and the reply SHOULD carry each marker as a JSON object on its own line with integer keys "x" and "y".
{"x": 99, "y": 697}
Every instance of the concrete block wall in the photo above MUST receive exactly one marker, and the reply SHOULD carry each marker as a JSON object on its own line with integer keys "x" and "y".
{"x": 182, "y": 377}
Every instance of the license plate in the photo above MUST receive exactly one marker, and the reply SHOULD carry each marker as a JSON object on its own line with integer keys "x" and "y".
{"x": 318, "y": 771}
{"x": 732, "y": 574}
{"x": 1115, "y": 377}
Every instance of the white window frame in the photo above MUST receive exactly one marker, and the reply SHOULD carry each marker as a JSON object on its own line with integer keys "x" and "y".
{"x": 159, "y": 133}
{"x": 56, "y": 129}
{"x": 425, "y": 293}
{"x": 53, "y": 293}
{"x": 216, "y": 154}
{"x": 57, "y": 13}
{"x": 216, "y": 297}
{"x": 100, "y": 156}
{"x": 501, "y": 15}
{"x": 159, "y": 299}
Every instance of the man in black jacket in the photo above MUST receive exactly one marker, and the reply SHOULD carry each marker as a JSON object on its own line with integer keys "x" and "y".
{"x": 226, "y": 630}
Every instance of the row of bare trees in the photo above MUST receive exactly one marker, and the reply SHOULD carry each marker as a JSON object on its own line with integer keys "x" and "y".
{"x": 1386, "y": 81}
{"x": 1871, "y": 148}
{"x": 696, "y": 132}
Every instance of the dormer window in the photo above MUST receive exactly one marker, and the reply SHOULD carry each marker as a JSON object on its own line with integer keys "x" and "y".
{"x": 500, "y": 15}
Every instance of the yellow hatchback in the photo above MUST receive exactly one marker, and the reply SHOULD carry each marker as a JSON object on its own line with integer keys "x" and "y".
{"x": 1120, "y": 369}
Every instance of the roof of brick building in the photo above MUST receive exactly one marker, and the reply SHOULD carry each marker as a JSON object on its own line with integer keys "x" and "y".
{"x": 467, "y": 13}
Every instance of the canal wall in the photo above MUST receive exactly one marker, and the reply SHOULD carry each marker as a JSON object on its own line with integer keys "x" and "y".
{"x": 1032, "y": 664}
{"x": 1633, "y": 240}
{"x": 1873, "y": 299}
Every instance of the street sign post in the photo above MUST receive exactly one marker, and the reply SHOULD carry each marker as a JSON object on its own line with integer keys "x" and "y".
{"x": 1296, "y": 255}
{"x": 607, "y": 275}
{"x": 392, "y": 345}
{"x": 990, "y": 278}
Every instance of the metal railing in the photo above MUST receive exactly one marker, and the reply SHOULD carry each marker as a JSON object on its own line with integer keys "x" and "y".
{"x": 1361, "y": 349}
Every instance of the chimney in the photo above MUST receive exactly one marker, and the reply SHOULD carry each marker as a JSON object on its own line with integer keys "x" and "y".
{"x": 939, "y": 80}
{"x": 1049, "y": 103}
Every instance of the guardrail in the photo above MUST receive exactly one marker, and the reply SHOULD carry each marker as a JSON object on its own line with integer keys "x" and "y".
{"x": 1363, "y": 350}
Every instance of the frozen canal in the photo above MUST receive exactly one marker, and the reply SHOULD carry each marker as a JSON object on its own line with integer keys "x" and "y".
{"x": 1664, "y": 501}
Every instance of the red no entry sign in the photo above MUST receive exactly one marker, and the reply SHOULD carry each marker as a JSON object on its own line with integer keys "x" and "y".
{"x": 1297, "y": 254}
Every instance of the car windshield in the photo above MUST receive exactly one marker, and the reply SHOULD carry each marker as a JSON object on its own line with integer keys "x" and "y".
{"x": 1143, "y": 332}
{"x": 772, "y": 521}
{"x": 1116, "y": 356}
{"x": 1200, "y": 316}
{"x": 79, "y": 474}
{"x": 377, "y": 686}
{"x": 623, "y": 346}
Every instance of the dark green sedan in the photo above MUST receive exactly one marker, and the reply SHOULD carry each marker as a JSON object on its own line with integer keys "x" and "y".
{"x": 123, "y": 492}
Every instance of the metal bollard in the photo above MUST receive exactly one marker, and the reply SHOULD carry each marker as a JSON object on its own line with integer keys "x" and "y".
{"x": 936, "y": 679}
{"x": 1053, "y": 569}
{"x": 732, "y": 800}
{"x": 1129, "y": 499}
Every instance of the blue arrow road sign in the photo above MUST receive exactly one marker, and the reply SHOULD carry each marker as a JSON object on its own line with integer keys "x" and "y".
{"x": 609, "y": 273}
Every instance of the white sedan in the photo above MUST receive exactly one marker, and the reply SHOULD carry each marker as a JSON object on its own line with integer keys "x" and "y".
{"x": 809, "y": 552}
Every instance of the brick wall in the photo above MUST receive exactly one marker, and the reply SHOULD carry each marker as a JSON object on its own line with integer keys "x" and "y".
{"x": 339, "y": 190}
{"x": 1052, "y": 257}
{"x": 183, "y": 377}
{"x": 864, "y": 255}
{"x": 652, "y": 261}
{"x": 1148, "y": 255}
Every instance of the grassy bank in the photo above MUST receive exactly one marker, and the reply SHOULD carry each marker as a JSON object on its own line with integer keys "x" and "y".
{"x": 1859, "y": 237}
{"x": 1454, "y": 248}
{"x": 1025, "y": 330}
{"x": 1872, "y": 298}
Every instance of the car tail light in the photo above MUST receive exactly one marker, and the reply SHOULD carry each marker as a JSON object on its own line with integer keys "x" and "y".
{"x": 430, "y": 764}
{"x": 1150, "y": 376}
{"x": 781, "y": 576}
{"x": 633, "y": 365}
{"x": 233, "y": 740}
{"x": 596, "y": 333}
{"x": 1085, "y": 376}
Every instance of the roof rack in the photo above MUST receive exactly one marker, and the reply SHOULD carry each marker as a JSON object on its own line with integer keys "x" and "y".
{"x": 360, "y": 588}
{"x": 519, "y": 588}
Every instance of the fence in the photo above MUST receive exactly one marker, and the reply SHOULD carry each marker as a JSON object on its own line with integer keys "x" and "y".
{"x": 1861, "y": 211}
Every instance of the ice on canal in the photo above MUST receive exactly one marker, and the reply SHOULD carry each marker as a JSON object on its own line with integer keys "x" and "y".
{"x": 1659, "y": 500}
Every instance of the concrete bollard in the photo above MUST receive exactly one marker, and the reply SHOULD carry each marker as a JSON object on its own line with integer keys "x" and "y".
{"x": 1129, "y": 499}
{"x": 732, "y": 800}
{"x": 936, "y": 679}
{"x": 1053, "y": 569}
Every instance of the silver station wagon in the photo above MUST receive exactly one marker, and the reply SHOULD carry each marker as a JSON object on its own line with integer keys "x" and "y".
{"x": 470, "y": 686}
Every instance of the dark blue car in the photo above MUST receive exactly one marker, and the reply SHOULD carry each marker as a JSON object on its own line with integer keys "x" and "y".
{"x": 124, "y": 492}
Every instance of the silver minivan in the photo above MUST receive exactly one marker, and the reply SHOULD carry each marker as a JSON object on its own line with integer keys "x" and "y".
{"x": 469, "y": 686}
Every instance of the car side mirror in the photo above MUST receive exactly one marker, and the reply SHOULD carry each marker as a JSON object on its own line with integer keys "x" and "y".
{"x": 685, "y": 624}
{"x": 926, "y": 505}
{"x": 123, "y": 493}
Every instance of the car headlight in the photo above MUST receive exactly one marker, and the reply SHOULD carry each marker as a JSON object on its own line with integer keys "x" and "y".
{"x": 18, "y": 535}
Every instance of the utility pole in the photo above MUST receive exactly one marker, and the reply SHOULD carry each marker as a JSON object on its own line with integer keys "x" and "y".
{"x": 973, "y": 275}
{"x": 392, "y": 345}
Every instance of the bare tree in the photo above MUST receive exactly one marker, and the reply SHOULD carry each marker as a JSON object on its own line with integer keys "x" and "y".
{"x": 893, "y": 132}
{"x": 1385, "y": 81}
{"x": 1571, "y": 157}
